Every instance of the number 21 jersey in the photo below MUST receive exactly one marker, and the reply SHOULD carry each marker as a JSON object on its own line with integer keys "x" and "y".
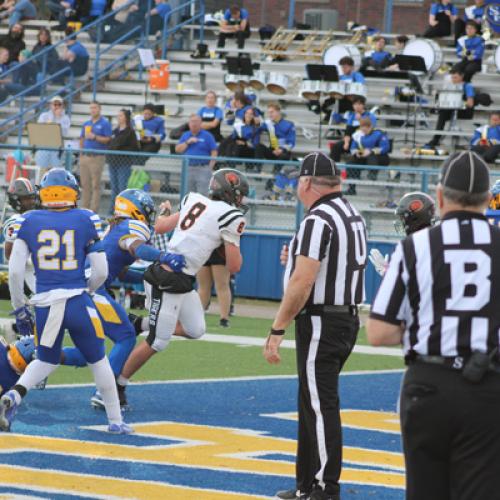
{"x": 204, "y": 225}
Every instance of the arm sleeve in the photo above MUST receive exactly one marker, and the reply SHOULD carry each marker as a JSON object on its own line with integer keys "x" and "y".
{"x": 479, "y": 50}
{"x": 184, "y": 137}
{"x": 453, "y": 10}
{"x": 385, "y": 145}
{"x": 373, "y": 119}
{"x": 17, "y": 266}
{"x": 434, "y": 9}
{"x": 359, "y": 78}
{"x": 314, "y": 238}
{"x": 392, "y": 292}
{"x": 161, "y": 130}
{"x": 469, "y": 90}
{"x": 98, "y": 270}
{"x": 219, "y": 115}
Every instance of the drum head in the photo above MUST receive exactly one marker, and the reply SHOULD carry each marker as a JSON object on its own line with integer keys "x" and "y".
{"x": 276, "y": 89}
{"x": 423, "y": 48}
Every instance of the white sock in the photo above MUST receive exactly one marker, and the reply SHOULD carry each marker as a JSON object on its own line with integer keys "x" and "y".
{"x": 106, "y": 385}
{"x": 35, "y": 372}
{"x": 122, "y": 380}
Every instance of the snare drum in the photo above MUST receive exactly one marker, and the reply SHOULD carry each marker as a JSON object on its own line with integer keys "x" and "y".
{"x": 259, "y": 79}
{"x": 355, "y": 90}
{"x": 428, "y": 49}
{"x": 337, "y": 90}
{"x": 311, "y": 90}
{"x": 232, "y": 82}
{"x": 277, "y": 83}
{"x": 333, "y": 54}
{"x": 451, "y": 97}
{"x": 497, "y": 58}
{"x": 243, "y": 80}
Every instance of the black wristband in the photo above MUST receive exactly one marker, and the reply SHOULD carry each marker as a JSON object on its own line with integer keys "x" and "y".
{"x": 276, "y": 332}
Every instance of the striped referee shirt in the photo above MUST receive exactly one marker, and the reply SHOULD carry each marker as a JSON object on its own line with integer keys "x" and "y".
{"x": 444, "y": 284}
{"x": 334, "y": 233}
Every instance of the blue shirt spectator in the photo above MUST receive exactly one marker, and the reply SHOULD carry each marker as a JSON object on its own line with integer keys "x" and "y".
{"x": 354, "y": 77}
{"x": 95, "y": 127}
{"x": 154, "y": 126}
{"x": 469, "y": 91}
{"x": 211, "y": 115}
{"x": 376, "y": 141}
{"x": 351, "y": 118}
{"x": 160, "y": 14}
{"x": 235, "y": 24}
{"x": 76, "y": 55}
{"x": 235, "y": 20}
{"x": 438, "y": 8}
{"x": 208, "y": 114}
{"x": 197, "y": 142}
{"x": 471, "y": 48}
{"x": 150, "y": 129}
{"x": 163, "y": 10}
{"x": 97, "y": 8}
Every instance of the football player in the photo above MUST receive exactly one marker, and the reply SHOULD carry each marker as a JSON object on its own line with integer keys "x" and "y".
{"x": 124, "y": 242}
{"x": 22, "y": 197}
{"x": 201, "y": 226}
{"x": 60, "y": 237}
{"x": 14, "y": 358}
{"x": 493, "y": 211}
{"x": 415, "y": 211}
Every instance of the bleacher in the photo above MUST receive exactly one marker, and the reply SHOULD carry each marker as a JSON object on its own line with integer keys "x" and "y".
{"x": 190, "y": 78}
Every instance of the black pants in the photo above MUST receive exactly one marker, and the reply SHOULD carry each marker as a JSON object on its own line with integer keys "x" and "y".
{"x": 372, "y": 159}
{"x": 241, "y": 36}
{"x": 451, "y": 436}
{"x": 266, "y": 153}
{"x": 230, "y": 148}
{"x": 469, "y": 68}
{"x": 446, "y": 115}
{"x": 442, "y": 28}
{"x": 489, "y": 153}
{"x": 319, "y": 452}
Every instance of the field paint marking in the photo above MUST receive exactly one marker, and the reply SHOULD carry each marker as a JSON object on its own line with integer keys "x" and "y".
{"x": 246, "y": 378}
{"x": 290, "y": 344}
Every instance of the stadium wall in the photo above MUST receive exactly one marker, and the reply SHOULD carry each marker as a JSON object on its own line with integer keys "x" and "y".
{"x": 409, "y": 17}
{"x": 261, "y": 276}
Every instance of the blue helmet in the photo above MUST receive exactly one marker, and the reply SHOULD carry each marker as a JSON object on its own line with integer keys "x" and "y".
{"x": 135, "y": 204}
{"x": 59, "y": 188}
{"x": 495, "y": 196}
{"x": 21, "y": 353}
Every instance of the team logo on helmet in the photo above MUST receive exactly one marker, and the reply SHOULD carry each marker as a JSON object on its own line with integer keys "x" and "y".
{"x": 232, "y": 178}
{"x": 416, "y": 205}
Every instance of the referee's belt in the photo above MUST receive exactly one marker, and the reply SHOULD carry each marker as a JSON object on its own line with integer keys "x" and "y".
{"x": 319, "y": 310}
{"x": 452, "y": 362}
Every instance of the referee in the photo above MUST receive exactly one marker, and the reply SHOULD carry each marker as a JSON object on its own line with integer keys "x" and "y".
{"x": 323, "y": 285}
{"x": 441, "y": 297}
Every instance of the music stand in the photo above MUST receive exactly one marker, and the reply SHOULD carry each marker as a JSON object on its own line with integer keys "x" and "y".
{"x": 321, "y": 73}
{"x": 147, "y": 59}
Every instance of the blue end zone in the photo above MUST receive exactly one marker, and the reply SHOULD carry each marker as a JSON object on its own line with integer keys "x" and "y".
{"x": 240, "y": 404}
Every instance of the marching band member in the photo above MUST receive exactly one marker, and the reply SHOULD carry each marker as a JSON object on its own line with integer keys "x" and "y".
{"x": 441, "y": 17}
{"x": 486, "y": 139}
{"x": 474, "y": 12}
{"x": 470, "y": 48}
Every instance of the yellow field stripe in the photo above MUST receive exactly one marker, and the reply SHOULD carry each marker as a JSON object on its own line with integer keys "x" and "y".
{"x": 92, "y": 485}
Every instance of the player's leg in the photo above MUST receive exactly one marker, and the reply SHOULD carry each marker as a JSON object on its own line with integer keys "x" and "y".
{"x": 48, "y": 355}
{"x": 204, "y": 278}
{"x": 87, "y": 333}
{"x": 221, "y": 278}
{"x": 191, "y": 316}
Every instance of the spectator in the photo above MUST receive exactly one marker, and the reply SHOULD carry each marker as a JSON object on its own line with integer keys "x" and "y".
{"x": 211, "y": 115}
{"x": 234, "y": 25}
{"x": 7, "y": 84}
{"x": 281, "y": 134}
{"x": 44, "y": 41}
{"x": 26, "y": 75}
{"x": 351, "y": 120}
{"x": 441, "y": 17}
{"x": 236, "y": 107}
{"x": 400, "y": 42}
{"x": 470, "y": 48}
{"x": 97, "y": 9}
{"x": 160, "y": 15}
{"x": 13, "y": 41}
{"x": 245, "y": 137}
{"x": 349, "y": 76}
{"x": 369, "y": 147}
{"x": 474, "y": 12}
{"x": 378, "y": 58}
{"x": 198, "y": 142}
{"x": 56, "y": 114}
{"x": 150, "y": 128}
{"x": 75, "y": 55}
{"x": 95, "y": 135}
{"x": 18, "y": 10}
{"x": 60, "y": 10}
{"x": 486, "y": 139}
{"x": 444, "y": 115}
{"x": 120, "y": 167}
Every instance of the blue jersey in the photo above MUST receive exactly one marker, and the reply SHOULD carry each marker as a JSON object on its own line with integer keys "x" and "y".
{"x": 375, "y": 139}
{"x": 355, "y": 77}
{"x": 118, "y": 258}
{"x": 349, "y": 118}
{"x": 59, "y": 242}
{"x": 487, "y": 135}
{"x": 8, "y": 377}
{"x": 437, "y": 8}
{"x": 493, "y": 217}
{"x": 470, "y": 46}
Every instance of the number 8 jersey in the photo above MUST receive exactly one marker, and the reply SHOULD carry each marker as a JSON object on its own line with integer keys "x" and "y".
{"x": 204, "y": 225}
{"x": 59, "y": 243}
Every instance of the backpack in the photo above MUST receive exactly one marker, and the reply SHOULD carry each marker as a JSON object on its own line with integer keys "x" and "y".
{"x": 139, "y": 179}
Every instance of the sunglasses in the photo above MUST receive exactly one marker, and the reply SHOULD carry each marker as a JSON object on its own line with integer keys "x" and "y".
{"x": 57, "y": 104}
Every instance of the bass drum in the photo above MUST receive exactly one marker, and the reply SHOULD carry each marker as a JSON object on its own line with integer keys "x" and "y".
{"x": 497, "y": 58}
{"x": 333, "y": 54}
{"x": 428, "y": 49}
{"x": 277, "y": 83}
{"x": 259, "y": 79}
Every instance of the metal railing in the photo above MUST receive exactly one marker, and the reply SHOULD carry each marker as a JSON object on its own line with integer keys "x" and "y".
{"x": 270, "y": 209}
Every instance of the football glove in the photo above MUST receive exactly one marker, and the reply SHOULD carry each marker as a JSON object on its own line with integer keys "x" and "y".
{"x": 380, "y": 263}
{"x": 175, "y": 261}
{"x": 24, "y": 321}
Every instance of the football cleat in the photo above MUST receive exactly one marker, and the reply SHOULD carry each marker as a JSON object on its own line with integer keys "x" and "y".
{"x": 8, "y": 408}
{"x": 122, "y": 428}
{"x": 96, "y": 401}
{"x": 122, "y": 396}
{"x": 291, "y": 495}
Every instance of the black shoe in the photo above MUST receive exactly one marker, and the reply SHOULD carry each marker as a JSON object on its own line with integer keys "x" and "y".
{"x": 292, "y": 495}
{"x": 224, "y": 323}
{"x": 122, "y": 397}
{"x": 351, "y": 191}
{"x": 136, "y": 322}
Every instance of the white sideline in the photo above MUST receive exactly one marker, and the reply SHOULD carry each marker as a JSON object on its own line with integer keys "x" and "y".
{"x": 289, "y": 344}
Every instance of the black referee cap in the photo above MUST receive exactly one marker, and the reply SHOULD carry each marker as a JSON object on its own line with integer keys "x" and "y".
{"x": 467, "y": 172}
{"x": 318, "y": 164}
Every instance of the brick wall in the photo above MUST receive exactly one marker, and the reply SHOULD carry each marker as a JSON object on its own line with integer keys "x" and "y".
{"x": 409, "y": 19}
